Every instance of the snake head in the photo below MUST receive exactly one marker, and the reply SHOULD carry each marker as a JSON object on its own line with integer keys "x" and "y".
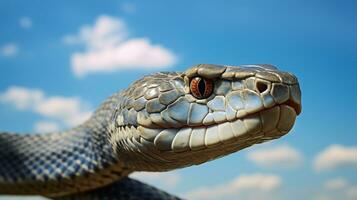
{"x": 208, "y": 111}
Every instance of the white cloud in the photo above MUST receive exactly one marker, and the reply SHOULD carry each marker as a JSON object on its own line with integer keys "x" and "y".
{"x": 280, "y": 156}
{"x": 253, "y": 186}
{"x": 69, "y": 110}
{"x": 109, "y": 48}
{"x": 169, "y": 179}
{"x": 336, "y": 156}
{"x": 25, "y": 22}
{"x": 107, "y": 33}
{"x": 337, "y": 183}
{"x": 46, "y": 126}
{"x": 9, "y": 50}
{"x": 138, "y": 53}
{"x": 352, "y": 192}
{"x": 338, "y": 188}
{"x": 22, "y": 98}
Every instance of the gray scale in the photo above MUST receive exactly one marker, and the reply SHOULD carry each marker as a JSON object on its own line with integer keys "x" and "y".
{"x": 156, "y": 124}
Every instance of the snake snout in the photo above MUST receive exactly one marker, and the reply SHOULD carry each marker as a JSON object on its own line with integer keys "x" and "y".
{"x": 286, "y": 94}
{"x": 282, "y": 86}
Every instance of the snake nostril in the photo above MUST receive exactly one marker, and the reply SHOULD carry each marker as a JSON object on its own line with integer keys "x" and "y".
{"x": 261, "y": 86}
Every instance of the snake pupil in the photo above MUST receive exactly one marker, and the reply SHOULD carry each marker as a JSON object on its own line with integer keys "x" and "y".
{"x": 202, "y": 87}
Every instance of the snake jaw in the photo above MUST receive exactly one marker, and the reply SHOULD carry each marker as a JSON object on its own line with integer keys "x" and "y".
{"x": 249, "y": 105}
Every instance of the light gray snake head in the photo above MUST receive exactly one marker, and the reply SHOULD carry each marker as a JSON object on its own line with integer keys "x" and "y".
{"x": 172, "y": 120}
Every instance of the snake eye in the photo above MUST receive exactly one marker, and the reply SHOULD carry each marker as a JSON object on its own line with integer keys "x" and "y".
{"x": 201, "y": 88}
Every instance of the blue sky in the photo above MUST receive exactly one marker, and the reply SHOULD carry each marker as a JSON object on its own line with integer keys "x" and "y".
{"x": 54, "y": 72}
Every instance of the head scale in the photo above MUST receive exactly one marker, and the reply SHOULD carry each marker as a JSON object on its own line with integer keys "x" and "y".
{"x": 162, "y": 122}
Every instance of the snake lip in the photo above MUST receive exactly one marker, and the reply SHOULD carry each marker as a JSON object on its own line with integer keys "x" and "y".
{"x": 296, "y": 106}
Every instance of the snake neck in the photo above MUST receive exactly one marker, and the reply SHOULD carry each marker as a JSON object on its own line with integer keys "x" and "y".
{"x": 61, "y": 163}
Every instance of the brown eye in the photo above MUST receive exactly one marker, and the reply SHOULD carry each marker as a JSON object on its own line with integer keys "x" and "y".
{"x": 201, "y": 88}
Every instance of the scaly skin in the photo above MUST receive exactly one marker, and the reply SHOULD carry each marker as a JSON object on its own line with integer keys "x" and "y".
{"x": 157, "y": 124}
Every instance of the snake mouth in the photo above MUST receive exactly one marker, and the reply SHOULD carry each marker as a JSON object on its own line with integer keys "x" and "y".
{"x": 296, "y": 106}
{"x": 264, "y": 125}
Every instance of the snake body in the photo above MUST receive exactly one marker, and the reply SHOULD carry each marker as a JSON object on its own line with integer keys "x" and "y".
{"x": 156, "y": 124}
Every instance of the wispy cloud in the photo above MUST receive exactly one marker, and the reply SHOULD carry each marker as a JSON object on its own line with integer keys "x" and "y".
{"x": 69, "y": 110}
{"x": 108, "y": 47}
{"x": 338, "y": 188}
{"x": 9, "y": 50}
{"x": 252, "y": 186}
{"x": 336, "y": 156}
{"x": 168, "y": 179}
{"x": 128, "y": 7}
{"x": 25, "y": 22}
{"x": 337, "y": 183}
{"x": 283, "y": 156}
{"x": 46, "y": 126}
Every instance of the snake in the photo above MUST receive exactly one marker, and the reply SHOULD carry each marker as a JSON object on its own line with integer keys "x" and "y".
{"x": 161, "y": 122}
